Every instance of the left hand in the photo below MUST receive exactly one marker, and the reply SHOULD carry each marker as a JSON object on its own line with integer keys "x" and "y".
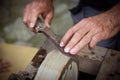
{"x": 89, "y": 31}
{"x": 34, "y": 9}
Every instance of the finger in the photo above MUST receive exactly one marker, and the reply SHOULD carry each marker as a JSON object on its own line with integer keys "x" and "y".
{"x": 26, "y": 15}
{"x": 68, "y": 35}
{"x": 82, "y": 43}
{"x": 33, "y": 18}
{"x": 75, "y": 39}
{"x": 95, "y": 39}
{"x": 82, "y": 24}
{"x": 48, "y": 18}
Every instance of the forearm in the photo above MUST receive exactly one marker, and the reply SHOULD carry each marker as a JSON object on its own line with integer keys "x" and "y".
{"x": 114, "y": 15}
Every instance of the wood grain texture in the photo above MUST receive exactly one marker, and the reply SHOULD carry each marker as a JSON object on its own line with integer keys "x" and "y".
{"x": 110, "y": 68}
{"x": 91, "y": 60}
{"x": 57, "y": 66}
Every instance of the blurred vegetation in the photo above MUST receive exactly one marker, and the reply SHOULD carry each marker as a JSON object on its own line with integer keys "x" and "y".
{"x": 12, "y": 29}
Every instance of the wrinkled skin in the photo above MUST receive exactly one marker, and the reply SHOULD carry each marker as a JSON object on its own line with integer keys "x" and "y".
{"x": 89, "y": 31}
{"x": 36, "y": 8}
{"x": 4, "y": 66}
{"x": 92, "y": 30}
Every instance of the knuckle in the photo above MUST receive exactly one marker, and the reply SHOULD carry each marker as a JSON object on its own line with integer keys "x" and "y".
{"x": 78, "y": 48}
{"x": 98, "y": 29}
{"x": 72, "y": 42}
{"x": 85, "y": 19}
{"x": 35, "y": 10}
{"x": 94, "y": 39}
{"x": 105, "y": 34}
{"x": 77, "y": 34}
{"x": 70, "y": 30}
{"x": 92, "y": 44}
{"x": 88, "y": 38}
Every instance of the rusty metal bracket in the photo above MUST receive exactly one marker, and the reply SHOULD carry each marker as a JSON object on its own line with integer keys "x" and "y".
{"x": 42, "y": 28}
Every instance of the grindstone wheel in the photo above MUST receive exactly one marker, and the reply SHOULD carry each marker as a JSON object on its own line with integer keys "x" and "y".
{"x": 57, "y": 66}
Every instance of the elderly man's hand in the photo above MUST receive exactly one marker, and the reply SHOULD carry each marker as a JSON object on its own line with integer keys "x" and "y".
{"x": 36, "y": 8}
{"x": 90, "y": 31}
{"x": 4, "y": 65}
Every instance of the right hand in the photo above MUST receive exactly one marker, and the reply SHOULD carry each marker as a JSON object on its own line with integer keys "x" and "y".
{"x": 36, "y": 8}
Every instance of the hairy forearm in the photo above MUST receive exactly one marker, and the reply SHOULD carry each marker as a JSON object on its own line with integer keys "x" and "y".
{"x": 114, "y": 15}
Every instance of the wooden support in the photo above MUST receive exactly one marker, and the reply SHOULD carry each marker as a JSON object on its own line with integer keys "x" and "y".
{"x": 90, "y": 61}
{"x": 110, "y": 68}
{"x": 19, "y": 57}
{"x": 57, "y": 66}
{"x": 101, "y": 61}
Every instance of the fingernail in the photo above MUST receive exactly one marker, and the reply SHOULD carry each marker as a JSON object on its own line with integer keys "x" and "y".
{"x": 31, "y": 25}
{"x": 67, "y": 49}
{"x": 61, "y": 44}
{"x": 73, "y": 51}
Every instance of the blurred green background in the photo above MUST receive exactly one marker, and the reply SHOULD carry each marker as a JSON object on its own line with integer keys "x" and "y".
{"x": 12, "y": 29}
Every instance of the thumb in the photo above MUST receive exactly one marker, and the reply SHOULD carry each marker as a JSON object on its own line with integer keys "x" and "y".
{"x": 48, "y": 18}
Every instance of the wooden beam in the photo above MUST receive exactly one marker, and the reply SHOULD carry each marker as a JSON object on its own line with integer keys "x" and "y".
{"x": 110, "y": 69}
{"x": 90, "y": 60}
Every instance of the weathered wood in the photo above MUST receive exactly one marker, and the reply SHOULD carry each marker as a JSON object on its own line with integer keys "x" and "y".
{"x": 19, "y": 56}
{"x": 110, "y": 68}
{"x": 90, "y": 60}
{"x": 57, "y": 66}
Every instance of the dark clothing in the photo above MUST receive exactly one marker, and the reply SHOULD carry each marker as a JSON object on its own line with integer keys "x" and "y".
{"x": 100, "y": 5}
{"x": 87, "y": 8}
